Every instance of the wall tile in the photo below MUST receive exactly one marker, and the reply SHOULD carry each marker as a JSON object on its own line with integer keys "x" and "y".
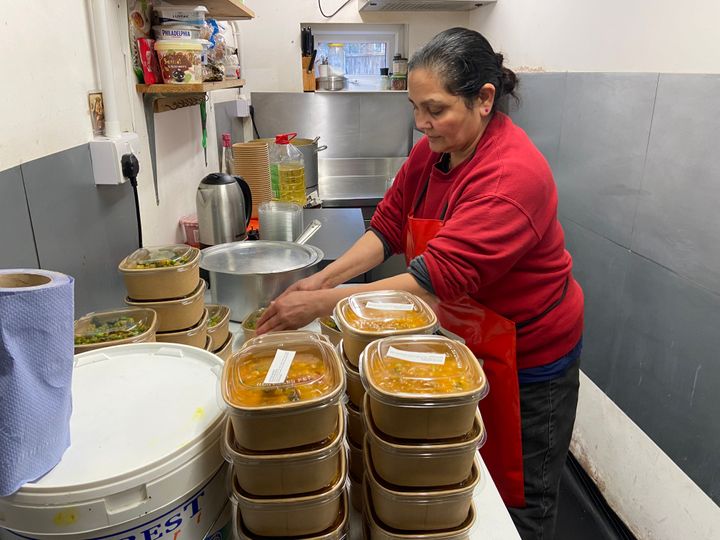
{"x": 678, "y": 217}
{"x": 602, "y": 149}
{"x": 81, "y": 229}
{"x": 540, "y": 110}
{"x": 18, "y": 244}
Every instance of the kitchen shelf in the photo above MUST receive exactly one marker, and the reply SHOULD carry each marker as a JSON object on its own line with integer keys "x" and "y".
{"x": 225, "y": 10}
{"x": 197, "y": 88}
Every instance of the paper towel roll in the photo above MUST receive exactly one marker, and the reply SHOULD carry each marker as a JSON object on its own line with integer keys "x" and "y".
{"x": 36, "y": 363}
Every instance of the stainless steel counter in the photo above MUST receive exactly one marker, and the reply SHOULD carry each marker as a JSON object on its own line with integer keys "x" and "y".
{"x": 355, "y": 182}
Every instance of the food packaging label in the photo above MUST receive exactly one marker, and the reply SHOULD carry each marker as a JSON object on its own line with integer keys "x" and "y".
{"x": 389, "y": 306}
{"x": 417, "y": 357}
{"x": 278, "y": 372}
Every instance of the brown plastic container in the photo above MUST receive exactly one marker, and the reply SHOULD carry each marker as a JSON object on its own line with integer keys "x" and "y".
{"x": 356, "y": 493}
{"x": 249, "y": 324}
{"x": 106, "y": 328}
{"x": 159, "y": 273}
{"x": 420, "y": 463}
{"x": 177, "y": 313}
{"x": 195, "y": 336}
{"x": 422, "y": 387}
{"x": 329, "y": 328}
{"x": 421, "y": 509}
{"x": 355, "y": 389}
{"x": 225, "y": 351}
{"x": 218, "y": 324}
{"x": 292, "y": 516}
{"x": 365, "y": 317}
{"x": 338, "y": 531}
{"x": 374, "y": 529}
{"x": 297, "y": 410}
{"x": 355, "y": 424}
{"x": 356, "y": 461}
{"x": 266, "y": 474}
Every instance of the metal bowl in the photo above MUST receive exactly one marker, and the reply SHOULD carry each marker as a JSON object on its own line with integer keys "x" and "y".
{"x": 331, "y": 83}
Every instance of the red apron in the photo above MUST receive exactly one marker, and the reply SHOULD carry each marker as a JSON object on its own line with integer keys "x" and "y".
{"x": 490, "y": 337}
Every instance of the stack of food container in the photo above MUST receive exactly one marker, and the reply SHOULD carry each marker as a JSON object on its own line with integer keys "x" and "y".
{"x": 285, "y": 437}
{"x": 423, "y": 432}
{"x": 116, "y": 327}
{"x": 167, "y": 280}
{"x": 362, "y": 319}
{"x": 218, "y": 330}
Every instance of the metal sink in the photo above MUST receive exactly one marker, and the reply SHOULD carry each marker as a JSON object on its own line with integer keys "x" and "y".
{"x": 355, "y": 182}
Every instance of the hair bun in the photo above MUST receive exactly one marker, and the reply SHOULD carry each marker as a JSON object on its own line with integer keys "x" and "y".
{"x": 509, "y": 80}
{"x": 499, "y": 58}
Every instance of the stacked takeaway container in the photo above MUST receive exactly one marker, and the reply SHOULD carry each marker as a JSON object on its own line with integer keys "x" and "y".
{"x": 285, "y": 437}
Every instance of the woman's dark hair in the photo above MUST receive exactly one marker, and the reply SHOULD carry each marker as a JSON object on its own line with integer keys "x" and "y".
{"x": 465, "y": 61}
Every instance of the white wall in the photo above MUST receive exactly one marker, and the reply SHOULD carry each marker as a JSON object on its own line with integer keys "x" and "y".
{"x": 270, "y": 44}
{"x": 614, "y": 35}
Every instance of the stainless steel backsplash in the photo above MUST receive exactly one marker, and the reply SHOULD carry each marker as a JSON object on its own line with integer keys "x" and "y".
{"x": 351, "y": 124}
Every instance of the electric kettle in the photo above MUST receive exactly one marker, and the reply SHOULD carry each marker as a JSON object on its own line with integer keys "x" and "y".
{"x": 224, "y": 205}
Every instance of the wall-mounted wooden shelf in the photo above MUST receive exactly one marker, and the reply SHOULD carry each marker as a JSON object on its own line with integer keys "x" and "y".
{"x": 224, "y": 10}
{"x": 196, "y": 88}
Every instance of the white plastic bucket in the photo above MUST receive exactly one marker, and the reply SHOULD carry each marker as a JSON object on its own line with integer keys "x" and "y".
{"x": 144, "y": 461}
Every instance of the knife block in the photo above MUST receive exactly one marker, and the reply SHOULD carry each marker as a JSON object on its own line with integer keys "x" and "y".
{"x": 308, "y": 78}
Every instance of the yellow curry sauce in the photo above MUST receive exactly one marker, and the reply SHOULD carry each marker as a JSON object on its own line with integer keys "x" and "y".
{"x": 308, "y": 378}
{"x": 393, "y": 375}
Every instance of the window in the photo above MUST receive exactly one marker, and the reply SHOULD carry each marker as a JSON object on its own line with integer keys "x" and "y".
{"x": 368, "y": 47}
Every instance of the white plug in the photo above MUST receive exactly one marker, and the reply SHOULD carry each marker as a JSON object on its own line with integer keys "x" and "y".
{"x": 106, "y": 153}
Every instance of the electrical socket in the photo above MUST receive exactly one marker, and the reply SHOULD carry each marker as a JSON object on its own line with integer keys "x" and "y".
{"x": 105, "y": 155}
{"x": 242, "y": 107}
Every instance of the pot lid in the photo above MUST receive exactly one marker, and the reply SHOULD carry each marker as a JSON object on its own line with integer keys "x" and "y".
{"x": 259, "y": 257}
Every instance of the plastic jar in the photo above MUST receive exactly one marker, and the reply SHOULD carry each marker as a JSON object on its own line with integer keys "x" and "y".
{"x": 336, "y": 59}
{"x": 398, "y": 82}
{"x": 384, "y": 79}
{"x": 180, "y": 61}
{"x": 399, "y": 65}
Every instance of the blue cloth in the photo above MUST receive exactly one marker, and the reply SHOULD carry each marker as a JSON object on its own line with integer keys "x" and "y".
{"x": 36, "y": 363}
{"x": 553, "y": 370}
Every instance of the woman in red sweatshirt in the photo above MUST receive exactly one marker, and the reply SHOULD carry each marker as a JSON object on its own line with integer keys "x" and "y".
{"x": 474, "y": 210}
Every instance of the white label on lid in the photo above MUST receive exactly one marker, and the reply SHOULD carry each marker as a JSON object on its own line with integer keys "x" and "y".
{"x": 417, "y": 357}
{"x": 279, "y": 368}
{"x": 389, "y": 306}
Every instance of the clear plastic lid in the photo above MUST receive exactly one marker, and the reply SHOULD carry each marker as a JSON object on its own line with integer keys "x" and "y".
{"x": 159, "y": 257}
{"x": 250, "y": 322}
{"x": 115, "y": 325}
{"x": 385, "y": 312}
{"x": 216, "y": 314}
{"x": 426, "y": 369}
{"x": 282, "y": 371}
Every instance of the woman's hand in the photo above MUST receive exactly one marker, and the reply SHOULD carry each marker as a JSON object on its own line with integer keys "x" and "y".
{"x": 315, "y": 282}
{"x": 292, "y": 310}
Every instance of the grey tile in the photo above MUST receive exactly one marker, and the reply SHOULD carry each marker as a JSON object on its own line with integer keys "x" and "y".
{"x": 18, "y": 244}
{"x": 600, "y": 267}
{"x": 602, "y": 149}
{"x": 678, "y": 221}
{"x": 81, "y": 229}
{"x": 666, "y": 373}
{"x": 540, "y": 110}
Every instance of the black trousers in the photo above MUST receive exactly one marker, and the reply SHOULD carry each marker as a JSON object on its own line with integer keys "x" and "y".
{"x": 547, "y": 414}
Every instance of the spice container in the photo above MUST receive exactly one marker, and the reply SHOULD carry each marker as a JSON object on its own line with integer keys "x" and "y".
{"x": 428, "y": 509}
{"x": 180, "y": 61}
{"x": 365, "y": 317}
{"x": 290, "y": 472}
{"x": 159, "y": 273}
{"x": 195, "y": 336}
{"x": 422, "y": 387}
{"x": 398, "y": 82}
{"x": 218, "y": 324}
{"x": 399, "y": 65}
{"x": 176, "y": 313}
{"x": 282, "y": 390}
{"x": 292, "y": 516}
{"x": 337, "y": 531}
{"x": 117, "y": 327}
{"x": 336, "y": 59}
{"x": 376, "y": 530}
{"x": 421, "y": 463}
{"x": 355, "y": 389}
{"x": 384, "y": 79}
{"x": 355, "y": 424}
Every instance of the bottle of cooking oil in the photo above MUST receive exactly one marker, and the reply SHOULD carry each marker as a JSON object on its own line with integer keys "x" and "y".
{"x": 287, "y": 170}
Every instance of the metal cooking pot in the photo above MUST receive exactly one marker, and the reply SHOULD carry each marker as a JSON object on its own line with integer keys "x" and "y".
{"x": 247, "y": 275}
{"x": 309, "y": 149}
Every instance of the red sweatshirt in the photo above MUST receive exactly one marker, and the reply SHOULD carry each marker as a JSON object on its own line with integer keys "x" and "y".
{"x": 501, "y": 241}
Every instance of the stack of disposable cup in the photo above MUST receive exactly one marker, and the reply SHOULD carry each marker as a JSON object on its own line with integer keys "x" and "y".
{"x": 251, "y": 161}
{"x": 280, "y": 221}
